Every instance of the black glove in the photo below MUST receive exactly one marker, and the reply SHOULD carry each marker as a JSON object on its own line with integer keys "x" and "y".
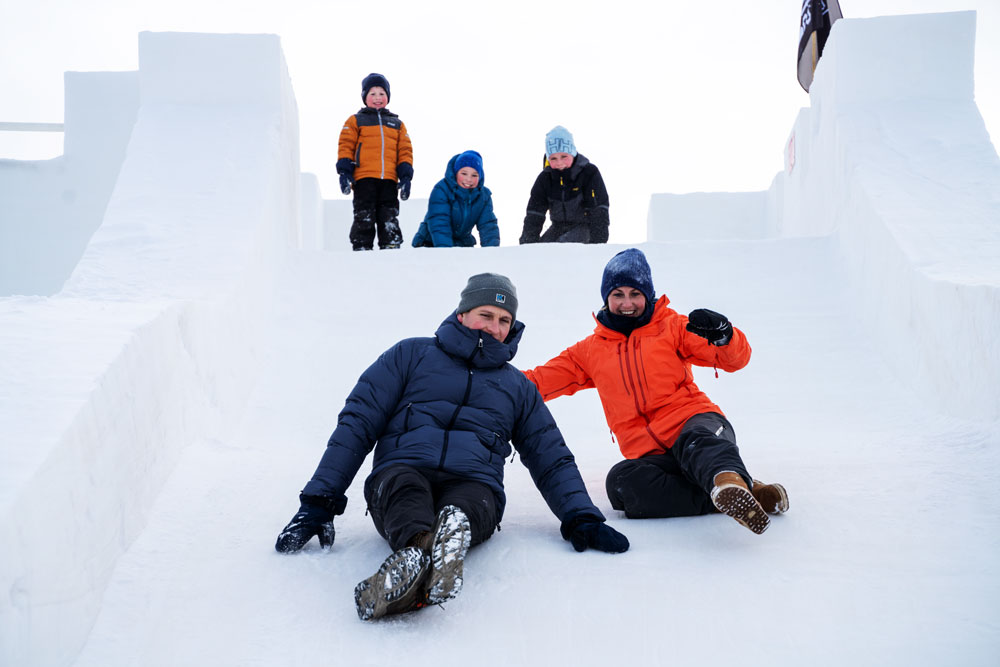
{"x": 345, "y": 167}
{"x": 315, "y": 517}
{"x": 405, "y": 173}
{"x": 345, "y": 184}
{"x": 589, "y": 532}
{"x": 711, "y": 326}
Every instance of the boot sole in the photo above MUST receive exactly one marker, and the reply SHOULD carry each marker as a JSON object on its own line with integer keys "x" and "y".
{"x": 396, "y": 587}
{"x": 739, "y": 503}
{"x": 452, "y": 538}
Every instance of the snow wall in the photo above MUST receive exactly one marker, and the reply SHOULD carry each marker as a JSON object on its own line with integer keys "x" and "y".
{"x": 207, "y": 199}
{"x": 51, "y": 208}
{"x": 892, "y": 159}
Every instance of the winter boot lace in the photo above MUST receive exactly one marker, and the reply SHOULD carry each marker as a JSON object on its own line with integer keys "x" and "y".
{"x": 772, "y": 497}
{"x": 396, "y": 588}
{"x": 732, "y": 497}
{"x": 452, "y": 537}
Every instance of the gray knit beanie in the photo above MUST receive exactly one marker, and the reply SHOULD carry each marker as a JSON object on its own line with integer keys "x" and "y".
{"x": 489, "y": 289}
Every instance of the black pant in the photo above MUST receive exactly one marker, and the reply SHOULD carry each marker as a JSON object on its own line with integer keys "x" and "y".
{"x": 678, "y": 482}
{"x": 376, "y": 209}
{"x": 404, "y": 501}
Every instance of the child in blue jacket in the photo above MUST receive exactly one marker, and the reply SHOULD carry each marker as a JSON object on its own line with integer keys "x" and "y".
{"x": 458, "y": 203}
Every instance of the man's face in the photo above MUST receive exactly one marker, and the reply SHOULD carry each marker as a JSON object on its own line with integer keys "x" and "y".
{"x": 626, "y": 301}
{"x": 492, "y": 319}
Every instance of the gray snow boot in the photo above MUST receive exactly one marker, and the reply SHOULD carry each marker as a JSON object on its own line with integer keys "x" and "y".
{"x": 452, "y": 537}
{"x": 396, "y": 588}
{"x": 731, "y": 496}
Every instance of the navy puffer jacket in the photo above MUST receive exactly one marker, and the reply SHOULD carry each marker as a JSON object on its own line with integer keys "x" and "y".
{"x": 453, "y": 211}
{"x": 452, "y": 403}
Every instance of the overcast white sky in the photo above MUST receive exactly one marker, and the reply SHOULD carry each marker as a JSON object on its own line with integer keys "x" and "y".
{"x": 678, "y": 97}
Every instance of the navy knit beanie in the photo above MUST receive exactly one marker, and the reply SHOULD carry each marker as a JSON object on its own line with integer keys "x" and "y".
{"x": 370, "y": 82}
{"x": 628, "y": 268}
{"x": 489, "y": 289}
{"x": 470, "y": 159}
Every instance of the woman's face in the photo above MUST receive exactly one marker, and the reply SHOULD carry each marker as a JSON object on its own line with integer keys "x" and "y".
{"x": 467, "y": 178}
{"x": 627, "y": 302}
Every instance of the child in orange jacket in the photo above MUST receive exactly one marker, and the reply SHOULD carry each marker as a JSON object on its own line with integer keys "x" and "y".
{"x": 375, "y": 156}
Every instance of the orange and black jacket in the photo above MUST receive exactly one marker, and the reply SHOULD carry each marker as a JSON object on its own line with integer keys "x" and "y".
{"x": 644, "y": 380}
{"x": 377, "y": 141}
{"x": 575, "y": 200}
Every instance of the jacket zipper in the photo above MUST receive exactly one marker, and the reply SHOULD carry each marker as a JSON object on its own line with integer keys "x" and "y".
{"x": 635, "y": 394}
{"x": 454, "y": 418}
{"x": 381, "y": 133}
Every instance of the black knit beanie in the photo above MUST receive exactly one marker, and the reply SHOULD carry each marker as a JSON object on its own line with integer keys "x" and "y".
{"x": 370, "y": 82}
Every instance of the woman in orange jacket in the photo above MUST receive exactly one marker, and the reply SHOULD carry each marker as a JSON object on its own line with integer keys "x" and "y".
{"x": 681, "y": 457}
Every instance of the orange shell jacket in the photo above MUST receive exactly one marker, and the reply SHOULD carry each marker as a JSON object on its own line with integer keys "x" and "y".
{"x": 644, "y": 380}
{"x": 377, "y": 141}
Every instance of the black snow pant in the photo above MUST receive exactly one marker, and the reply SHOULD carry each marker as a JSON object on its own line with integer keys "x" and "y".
{"x": 566, "y": 232}
{"x": 376, "y": 209}
{"x": 404, "y": 501}
{"x": 678, "y": 483}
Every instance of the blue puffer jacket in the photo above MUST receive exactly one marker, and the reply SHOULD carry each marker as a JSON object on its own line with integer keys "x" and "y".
{"x": 452, "y": 403}
{"x": 453, "y": 211}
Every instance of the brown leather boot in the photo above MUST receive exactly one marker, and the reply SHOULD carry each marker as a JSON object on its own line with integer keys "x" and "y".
{"x": 772, "y": 497}
{"x": 732, "y": 497}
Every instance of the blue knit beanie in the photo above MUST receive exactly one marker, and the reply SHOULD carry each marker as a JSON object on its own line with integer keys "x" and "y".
{"x": 470, "y": 159}
{"x": 559, "y": 140}
{"x": 628, "y": 268}
{"x": 370, "y": 82}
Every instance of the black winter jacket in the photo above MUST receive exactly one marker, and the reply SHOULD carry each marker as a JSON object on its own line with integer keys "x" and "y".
{"x": 576, "y": 202}
{"x": 452, "y": 403}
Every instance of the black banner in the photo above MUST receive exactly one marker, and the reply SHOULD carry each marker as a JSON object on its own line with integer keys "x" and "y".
{"x": 818, "y": 16}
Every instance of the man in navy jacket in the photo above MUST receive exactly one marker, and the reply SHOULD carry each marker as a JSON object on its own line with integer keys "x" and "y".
{"x": 441, "y": 414}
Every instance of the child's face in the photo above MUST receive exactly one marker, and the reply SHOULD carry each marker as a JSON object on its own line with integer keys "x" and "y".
{"x": 560, "y": 161}
{"x": 376, "y": 98}
{"x": 467, "y": 177}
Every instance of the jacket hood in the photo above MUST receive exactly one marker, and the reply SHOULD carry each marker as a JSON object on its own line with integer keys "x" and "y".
{"x": 474, "y": 346}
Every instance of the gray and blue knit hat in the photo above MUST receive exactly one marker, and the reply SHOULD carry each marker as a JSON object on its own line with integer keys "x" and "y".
{"x": 489, "y": 289}
{"x": 628, "y": 268}
{"x": 559, "y": 140}
{"x": 372, "y": 80}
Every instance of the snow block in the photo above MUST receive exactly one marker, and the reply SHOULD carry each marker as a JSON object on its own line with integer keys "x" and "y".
{"x": 51, "y": 208}
{"x": 893, "y": 163}
{"x": 702, "y": 216}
